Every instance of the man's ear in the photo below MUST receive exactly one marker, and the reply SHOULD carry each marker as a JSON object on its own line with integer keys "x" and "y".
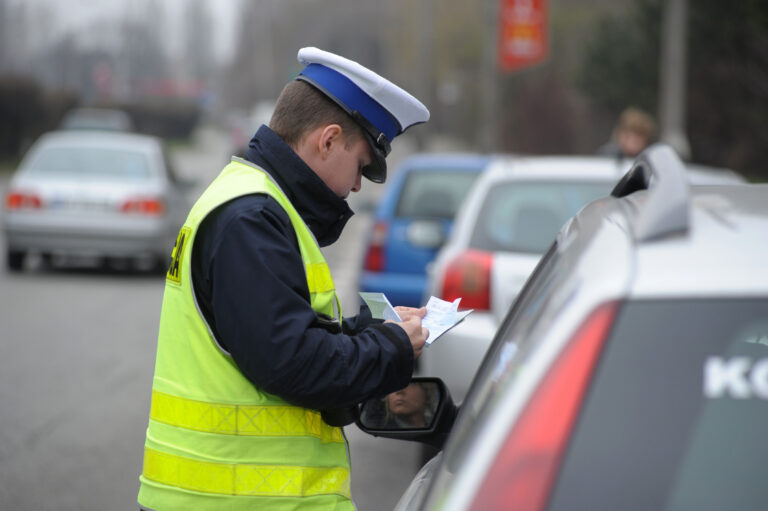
{"x": 330, "y": 137}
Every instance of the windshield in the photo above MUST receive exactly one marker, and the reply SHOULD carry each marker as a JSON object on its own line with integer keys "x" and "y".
{"x": 90, "y": 162}
{"x": 525, "y": 217}
{"x": 434, "y": 194}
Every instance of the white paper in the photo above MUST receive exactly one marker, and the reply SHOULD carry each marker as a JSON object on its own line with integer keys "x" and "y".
{"x": 380, "y": 306}
{"x": 441, "y": 317}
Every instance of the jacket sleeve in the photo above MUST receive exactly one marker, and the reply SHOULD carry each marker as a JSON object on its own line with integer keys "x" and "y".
{"x": 356, "y": 324}
{"x": 258, "y": 304}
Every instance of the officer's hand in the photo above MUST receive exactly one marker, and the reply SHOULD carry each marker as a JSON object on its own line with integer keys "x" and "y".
{"x": 407, "y": 312}
{"x": 416, "y": 333}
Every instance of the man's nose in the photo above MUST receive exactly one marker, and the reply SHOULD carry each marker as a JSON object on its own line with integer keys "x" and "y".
{"x": 358, "y": 183}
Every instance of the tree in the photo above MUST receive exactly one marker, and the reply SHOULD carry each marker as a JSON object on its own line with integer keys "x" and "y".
{"x": 198, "y": 34}
{"x": 727, "y": 86}
{"x": 621, "y": 63}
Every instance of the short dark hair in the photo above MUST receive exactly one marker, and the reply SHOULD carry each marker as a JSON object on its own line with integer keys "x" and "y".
{"x": 302, "y": 108}
{"x": 637, "y": 121}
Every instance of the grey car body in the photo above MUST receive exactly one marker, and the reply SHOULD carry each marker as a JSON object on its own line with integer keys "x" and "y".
{"x": 94, "y": 194}
{"x": 632, "y": 370}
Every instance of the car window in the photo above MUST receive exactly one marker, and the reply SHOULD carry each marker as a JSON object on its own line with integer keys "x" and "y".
{"x": 434, "y": 194}
{"x": 90, "y": 162}
{"x": 676, "y": 413}
{"x": 525, "y": 217}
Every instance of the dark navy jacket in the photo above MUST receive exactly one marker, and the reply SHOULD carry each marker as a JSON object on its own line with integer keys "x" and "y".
{"x": 251, "y": 287}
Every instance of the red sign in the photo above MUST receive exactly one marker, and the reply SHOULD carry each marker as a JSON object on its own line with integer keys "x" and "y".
{"x": 523, "y": 35}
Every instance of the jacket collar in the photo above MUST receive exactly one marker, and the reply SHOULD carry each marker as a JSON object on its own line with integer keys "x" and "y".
{"x": 323, "y": 211}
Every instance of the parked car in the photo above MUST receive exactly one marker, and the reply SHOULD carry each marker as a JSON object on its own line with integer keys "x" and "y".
{"x": 632, "y": 370}
{"x": 413, "y": 220}
{"x": 506, "y": 224}
{"x": 508, "y": 221}
{"x": 96, "y": 194}
{"x": 91, "y": 118}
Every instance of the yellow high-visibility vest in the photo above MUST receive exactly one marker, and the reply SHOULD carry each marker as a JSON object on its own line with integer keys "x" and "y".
{"x": 214, "y": 440}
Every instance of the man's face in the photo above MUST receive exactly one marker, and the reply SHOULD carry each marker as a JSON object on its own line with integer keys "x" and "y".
{"x": 343, "y": 170}
{"x": 631, "y": 142}
{"x": 335, "y": 158}
{"x": 407, "y": 401}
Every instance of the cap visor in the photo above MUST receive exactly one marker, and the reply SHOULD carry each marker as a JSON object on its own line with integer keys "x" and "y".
{"x": 377, "y": 170}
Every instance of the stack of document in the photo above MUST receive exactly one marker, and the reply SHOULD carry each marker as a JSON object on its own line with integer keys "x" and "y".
{"x": 441, "y": 315}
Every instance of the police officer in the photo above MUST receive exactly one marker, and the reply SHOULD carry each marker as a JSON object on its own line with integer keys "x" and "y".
{"x": 254, "y": 358}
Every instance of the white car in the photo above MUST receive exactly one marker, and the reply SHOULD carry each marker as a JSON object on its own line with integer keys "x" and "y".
{"x": 507, "y": 222}
{"x": 100, "y": 195}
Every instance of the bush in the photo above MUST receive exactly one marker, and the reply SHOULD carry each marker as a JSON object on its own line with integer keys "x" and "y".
{"x": 26, "y": 111}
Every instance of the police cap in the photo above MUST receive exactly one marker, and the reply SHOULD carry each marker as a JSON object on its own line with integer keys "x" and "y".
{"x": 380, "y": 107}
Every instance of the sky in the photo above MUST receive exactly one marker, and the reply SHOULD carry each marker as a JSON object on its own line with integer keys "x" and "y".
{"x": 74, "y": 15}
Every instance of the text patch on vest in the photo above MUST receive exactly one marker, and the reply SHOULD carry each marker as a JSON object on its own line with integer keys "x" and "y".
{"x": 177, "y": 256}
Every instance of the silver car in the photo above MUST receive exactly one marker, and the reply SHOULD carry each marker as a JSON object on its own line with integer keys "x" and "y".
{"x": 105, "y": 195}
{"x": 630, "y": 373}
{"x": 506, "y": 224}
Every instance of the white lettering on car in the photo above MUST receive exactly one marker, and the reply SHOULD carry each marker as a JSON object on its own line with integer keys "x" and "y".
{"x": 759, "y": 378}
{"x": 736, "y": 377}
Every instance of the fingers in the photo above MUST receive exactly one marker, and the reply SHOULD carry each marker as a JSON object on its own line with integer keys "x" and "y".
{"x": 419, "y": 339}
{"x": 417, "y": 334}
{"x": 408, "y": 312}
{"x": 415, "y": 321}
{"x": 420, "y": 333}
{"x": 419, "y": 342}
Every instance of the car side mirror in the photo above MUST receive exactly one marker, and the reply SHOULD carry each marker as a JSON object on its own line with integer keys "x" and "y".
{"x": 422, "y": 412}
{"x": 426, "y": 234}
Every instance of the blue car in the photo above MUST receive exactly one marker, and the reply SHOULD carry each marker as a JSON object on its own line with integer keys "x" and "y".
{"x": 413, "y": 220}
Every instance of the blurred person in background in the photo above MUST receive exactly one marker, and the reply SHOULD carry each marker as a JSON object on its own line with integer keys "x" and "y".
{"x": 634, "y": 131}
{"x": 256, "y": 368}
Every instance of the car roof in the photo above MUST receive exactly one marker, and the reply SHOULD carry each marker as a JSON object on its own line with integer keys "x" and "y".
{"x": 446, "y": 161}
{"x": 592, "y": 167}
{"x": 97, "y": 118}
{"x": 681, "y": 240}
{"x": 555, "y": 167}
{"x": 88, "y": 138}
{"x": 722, "y": 252}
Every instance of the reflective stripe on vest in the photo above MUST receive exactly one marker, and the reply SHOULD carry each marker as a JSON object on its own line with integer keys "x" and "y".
{"x": 244, "y": 420}
{"x": 244, "y": 479}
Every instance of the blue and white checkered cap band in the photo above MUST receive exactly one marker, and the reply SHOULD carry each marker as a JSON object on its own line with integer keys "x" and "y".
{"x": 352, "y": 98}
